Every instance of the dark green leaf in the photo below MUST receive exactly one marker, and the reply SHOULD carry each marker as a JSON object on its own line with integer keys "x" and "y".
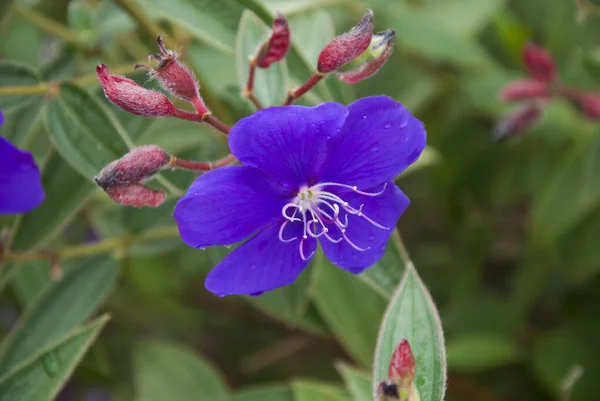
{"x": 274, "y": 393}
{"x": 358, "y": 383}
{"x": 16, "y": 74}
{"x": 479, "y": 351}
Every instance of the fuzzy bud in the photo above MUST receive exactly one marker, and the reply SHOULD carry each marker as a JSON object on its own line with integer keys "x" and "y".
{"x": 588, "y": 104}
{"x": 136, "y": 195}
{"x": 133, "y": 98}
{"x": 401, "y": 374}
{"x": 516, "y": 123}
{"x": 174, "y": 76}
{"x": 368, "y": 63}
{"x": 277, "y": 46}
{"x": 347, "y": 46}
{"x": 525, "y": 90}
{"x": 138, "y": 165}
{"x": 539, "y": 63}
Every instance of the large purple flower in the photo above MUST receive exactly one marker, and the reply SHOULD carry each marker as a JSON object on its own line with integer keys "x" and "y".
{"x": 20, "y": 185}
{"x": 309, "y": 173}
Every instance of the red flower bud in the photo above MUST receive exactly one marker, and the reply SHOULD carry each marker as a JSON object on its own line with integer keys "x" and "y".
{"x": 277, "y": 46}
{"x": 174, "y": 76}
{"x": 347, "y": 46}
{"x": 133, "y": 98}
{"x": 525, "y": 90}
{"x": 139, "y": 164}
{"x": 516, "y": 123}
{"x": 539, "y": 63}
{"x": 588, "y": 104}
{"x": 136, "y": 195}
{"x": 371, "y": 60}
{"x": 402, "y": 365}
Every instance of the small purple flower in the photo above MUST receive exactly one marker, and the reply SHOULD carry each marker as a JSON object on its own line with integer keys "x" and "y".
{"x": 20, "y": 184}
{"x": 309, "y": 173}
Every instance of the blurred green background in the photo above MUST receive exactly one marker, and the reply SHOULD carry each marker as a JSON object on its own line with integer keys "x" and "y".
{"x": 504, "y": 234}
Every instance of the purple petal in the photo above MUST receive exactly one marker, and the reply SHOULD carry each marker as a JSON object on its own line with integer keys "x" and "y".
{"x": 226, "y": 205}
{"x": 384, "y": 210}
{"x": 379, "y": 139}
{"x": 20, "y": 184}
{"x": 262, "y": 264}
{"x": 289, "y": 142}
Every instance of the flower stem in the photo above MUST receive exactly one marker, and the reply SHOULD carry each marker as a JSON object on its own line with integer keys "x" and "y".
{"x": 93, "y": 248}
{"x": 200, "y": 166}
{"x": 207, "y": 118}
{"x": 46, "y": 24}
{"x": 248, "y": 92}
{"x": 308, "y": 85}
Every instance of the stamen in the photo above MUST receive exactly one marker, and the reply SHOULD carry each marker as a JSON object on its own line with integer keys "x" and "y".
{"x": 352, "y": 244}
{"x": 285, "y": 209}
{"x": 304, "y": 258}
{"x": 352, "y": 187}
{"x": 281, "y": 233}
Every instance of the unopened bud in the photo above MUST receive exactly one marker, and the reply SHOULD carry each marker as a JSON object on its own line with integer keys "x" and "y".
{"x": 347, "y": 46}
{"x": 368, "y": 63}
{"x": 174, "y": 76}
{"x": 401, "y": 375}
{"x": 132, "y": 97}
{"x": 136, "y": 195}
{"x": 138, "y": 165}
{"x": 516, "y": 123}
{"x": 277, "y": 46}
{"x": 525, "y": 90}
{"x": 588, "y": 104}
{"x": 539, "y": 63}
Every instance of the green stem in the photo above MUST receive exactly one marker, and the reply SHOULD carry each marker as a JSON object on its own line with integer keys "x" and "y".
{"x": 123, "y": 244}
{"x": 46, "y": 24}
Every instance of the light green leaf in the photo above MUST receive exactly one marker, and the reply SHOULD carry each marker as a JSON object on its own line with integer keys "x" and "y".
{"x": 171, "y": 372}
{"x": 16, "y": 74}
{"x": 463, "y": 17}
{"x": 412, "y": 315}
{"x": 351, "y": 308}
{"x": 66, "y": 192}
{"x": 478, "y": 351}
{"x": 52, "y": 314}
{"x": 41, "y": 376}
{"x": 271, "y": 84}
{"x": 313, "y": 31}
{"x": 83, "y": 132}
{"x": 358, "y": 383}
{"x": 305, "y": 390}
{"x": 19, "y": 122}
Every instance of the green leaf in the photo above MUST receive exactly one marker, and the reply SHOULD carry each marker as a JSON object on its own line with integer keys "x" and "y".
{"x": 351, "y": 308}
{"x": 479, "y": 351}
{"x": 387, "y": 272}
{"x": 19, "y": 122}
{"x": 272, "y": 393}
{"x": 271, "y": 84}
{"x": 463, "y": 17}
{"x": 28, "y": 279}
{"x": 305, "y": 390}
{"x": 210, "y": 21}
{"x": 53, "y": 313}
{"x": 314, "y": 30}
{"x": 16, "y": 74}
{"x": 571, "y": 194}
{"x": 412, "y": 315}
{"x": 83, "y": 132}
{"x": 41, "y": 376}
{"x": 170, "y": 372}
{"x": 357, "y": 383}
{"x": 66, "y": 192}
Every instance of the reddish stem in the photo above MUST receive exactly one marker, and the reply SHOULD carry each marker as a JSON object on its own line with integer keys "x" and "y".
{"x": 203, "y": 118}
{"x": 248, "y": 92}
{"x": 200, "y": 166}
{"x": 308, "y": 85}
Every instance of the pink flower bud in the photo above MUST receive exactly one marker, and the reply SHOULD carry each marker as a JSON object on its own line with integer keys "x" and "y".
{"x": 277, "y": 46}
{"x": 402, "y": 365}
{"x": 368, "y": 63}
{"x": 139, "y": 164}
{"x": 588, "y": 104}
{"x": 174, "y": 76}
{"x": 133, "y": 98}
{"x": 539, "y": 63}
{"x": 516, "y": 123}
{"x": 136, "y": 195}
{"x": 347, "y": 46}
{"x": 525, "y": 90}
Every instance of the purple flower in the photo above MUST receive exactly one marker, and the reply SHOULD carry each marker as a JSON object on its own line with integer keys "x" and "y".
{"x": 20, "y": 185}
{"x": 322, "y": 173}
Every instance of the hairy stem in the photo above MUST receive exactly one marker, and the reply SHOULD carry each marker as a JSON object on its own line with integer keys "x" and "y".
{"x": 248, "y": 92}
{"x": 200, "y": 166}
{"x": 308, "y": 85}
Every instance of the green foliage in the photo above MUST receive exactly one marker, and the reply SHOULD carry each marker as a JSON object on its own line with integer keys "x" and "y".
{"x": 503, "y": 235}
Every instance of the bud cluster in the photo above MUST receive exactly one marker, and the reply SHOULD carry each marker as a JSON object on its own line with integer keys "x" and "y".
{"x": 535, "y": 92}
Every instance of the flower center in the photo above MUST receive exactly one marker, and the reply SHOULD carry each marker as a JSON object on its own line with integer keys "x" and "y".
{"x": 319, "y": 212}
